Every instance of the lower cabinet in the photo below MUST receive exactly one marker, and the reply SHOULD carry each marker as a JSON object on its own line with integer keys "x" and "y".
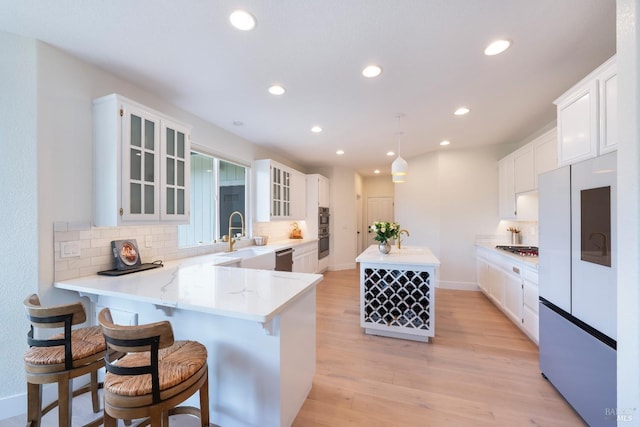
{"x": 512, "y": 285}
{"x": 305, "y": 258}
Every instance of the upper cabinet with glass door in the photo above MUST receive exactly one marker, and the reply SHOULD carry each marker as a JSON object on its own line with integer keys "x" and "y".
{"x": 280, "y": 191}
{"x": 141, "y": 165}
{"x": 174, "y": 188}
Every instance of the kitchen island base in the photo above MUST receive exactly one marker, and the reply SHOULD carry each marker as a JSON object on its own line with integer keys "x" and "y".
{"x": 397, "y": 297}
{"x": 259, "y": 374}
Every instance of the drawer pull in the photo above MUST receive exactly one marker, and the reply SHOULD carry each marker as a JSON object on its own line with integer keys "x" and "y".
{"x": 516, "y": 270}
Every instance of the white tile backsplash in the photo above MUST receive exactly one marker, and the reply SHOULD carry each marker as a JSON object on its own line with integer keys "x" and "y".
{"x": 95, "y": 246}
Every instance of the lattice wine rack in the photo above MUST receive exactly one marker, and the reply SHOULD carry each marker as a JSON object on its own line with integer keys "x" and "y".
{"x": 397, "y": 300}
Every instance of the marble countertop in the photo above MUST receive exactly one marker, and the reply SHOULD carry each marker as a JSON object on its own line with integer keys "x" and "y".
{"x": 204, "y": 284}
{"x": 407, "y": 255}
{"x": 531, "y": 260}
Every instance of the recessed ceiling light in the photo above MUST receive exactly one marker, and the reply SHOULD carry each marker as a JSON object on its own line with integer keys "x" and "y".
{"x": 497, "y": 47}
{"x": 377, "y": 171}
{"x": 461, "y": 111}
{"x": 340, "y": 152}
{"x": 242, "y": 20}
{"x": 276, "y": 90}
{"x": 391, "y": 153}
{"x": 445, "y": 142}
{"x": 372, "y": 71}
{"x": 316, "y": 129}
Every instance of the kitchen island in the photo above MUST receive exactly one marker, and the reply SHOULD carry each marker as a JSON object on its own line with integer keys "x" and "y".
{"x": 259, "y": 328}
{"x": 397, "y": 296}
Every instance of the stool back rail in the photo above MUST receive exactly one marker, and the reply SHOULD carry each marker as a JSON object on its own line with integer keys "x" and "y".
{"x": 149, "y": 374}
{"x": 61, "y": 358}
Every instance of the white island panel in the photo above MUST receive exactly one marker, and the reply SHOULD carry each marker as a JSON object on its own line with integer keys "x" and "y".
{"x": 397, "y": 296}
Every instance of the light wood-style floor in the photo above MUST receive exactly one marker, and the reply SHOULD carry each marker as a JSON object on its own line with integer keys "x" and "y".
{"x": 479, "y": 370}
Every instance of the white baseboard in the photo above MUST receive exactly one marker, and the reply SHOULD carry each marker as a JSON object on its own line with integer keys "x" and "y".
{"x": 339, "y": 267}
{"x": 458, "y": 286}
{"x": 12, "y": 406}
{"x": 15, "y": 405}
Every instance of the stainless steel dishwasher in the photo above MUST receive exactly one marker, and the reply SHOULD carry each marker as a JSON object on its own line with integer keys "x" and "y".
{"x": 284, "y": 260}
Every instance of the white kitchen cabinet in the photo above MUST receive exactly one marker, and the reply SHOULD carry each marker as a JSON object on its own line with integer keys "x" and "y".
{"x": 587, "y": 116}
{"x": 305, "y": 258}
{"x": 512, "y": 285}
{"x": 608, "y": 108}
{"x": 530, "y": 306}
{"x": 496, "y": 285}
{"x": 298, "y": 195}
{"x": 506, "y": 188}
{"x": 518, "y": 173}
{"x": 317, "y": 193}
{"x": 280, "y": 192}
{"x": 482, "y": 271}
{"x": 324, "y": 199}
{"x": 524, "y": 169}
{"x": 141, "y": 164}
{"x": 545, "y": 153}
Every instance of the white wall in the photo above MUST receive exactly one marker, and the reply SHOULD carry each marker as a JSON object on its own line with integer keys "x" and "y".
{"x": 18, "y": 215}
{"x": 46, "y": 132}
{"x": 448, "y": 200}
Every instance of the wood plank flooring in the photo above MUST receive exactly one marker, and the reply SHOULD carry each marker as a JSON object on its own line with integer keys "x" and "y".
{"x": 479, "y": 370}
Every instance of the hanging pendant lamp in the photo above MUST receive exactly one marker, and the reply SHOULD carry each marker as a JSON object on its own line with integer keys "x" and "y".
{"x": 399, "y": 167}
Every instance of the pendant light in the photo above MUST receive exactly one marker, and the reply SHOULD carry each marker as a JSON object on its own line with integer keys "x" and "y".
{"x": 399, "y": 167}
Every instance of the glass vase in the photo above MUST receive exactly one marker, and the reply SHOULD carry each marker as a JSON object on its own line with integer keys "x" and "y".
{"x": 384, "y": 247}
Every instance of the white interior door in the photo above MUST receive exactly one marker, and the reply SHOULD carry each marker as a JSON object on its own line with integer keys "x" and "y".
{"x": 378, "y": 209}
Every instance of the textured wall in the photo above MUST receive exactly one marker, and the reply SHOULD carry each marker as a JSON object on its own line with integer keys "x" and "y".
{"x": 19, "y": 211}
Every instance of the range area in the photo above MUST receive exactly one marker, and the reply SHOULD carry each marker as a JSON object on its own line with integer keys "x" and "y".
{"x": 520, "y": 250}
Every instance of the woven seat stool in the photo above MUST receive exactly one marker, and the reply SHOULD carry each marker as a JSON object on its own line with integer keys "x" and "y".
{"x": 61, "y": 358}
{"x": 151, "y": 374}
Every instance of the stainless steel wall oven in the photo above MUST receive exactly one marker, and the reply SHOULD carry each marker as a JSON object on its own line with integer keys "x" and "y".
{"x": 323, "y": 232}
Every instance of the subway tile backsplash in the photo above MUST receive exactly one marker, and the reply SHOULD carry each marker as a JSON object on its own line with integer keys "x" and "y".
{"x": 155, "y": 242}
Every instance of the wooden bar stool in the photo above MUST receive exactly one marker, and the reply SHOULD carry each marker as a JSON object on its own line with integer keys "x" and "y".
{"x": 61, "y": 358}
{"x": 152, "y": 373}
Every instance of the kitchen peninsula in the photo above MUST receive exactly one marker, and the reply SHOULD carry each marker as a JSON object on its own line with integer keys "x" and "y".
{"x": 259, "y": 328}
{"x": 397, "y": 296}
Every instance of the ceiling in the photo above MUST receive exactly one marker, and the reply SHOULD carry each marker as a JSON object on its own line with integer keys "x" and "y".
{"x": 431, "y": 52}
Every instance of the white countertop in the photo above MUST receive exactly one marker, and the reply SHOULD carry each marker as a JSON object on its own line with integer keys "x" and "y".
{"x": 407, "y": 255}
{"x": 531, "y": 260}
{"x": 199, "y": 284}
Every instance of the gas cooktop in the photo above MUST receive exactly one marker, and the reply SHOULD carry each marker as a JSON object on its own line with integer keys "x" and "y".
{"x": 520, "y": 250}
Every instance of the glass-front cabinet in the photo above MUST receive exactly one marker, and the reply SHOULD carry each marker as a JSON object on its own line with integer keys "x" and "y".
{"x": 280, "y": 191}
{"x": 175, "y": 182}
{"x": 141, "y": 165}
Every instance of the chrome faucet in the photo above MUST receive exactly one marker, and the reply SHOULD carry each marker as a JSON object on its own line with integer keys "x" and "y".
{"x": 231, "y": 238}
{"x": 400, "y": 235}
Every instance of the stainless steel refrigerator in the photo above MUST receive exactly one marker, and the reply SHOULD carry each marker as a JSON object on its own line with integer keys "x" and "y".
{"x": 577, "y": 280}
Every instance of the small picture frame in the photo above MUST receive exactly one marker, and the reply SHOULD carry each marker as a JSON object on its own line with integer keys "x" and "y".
{"x": 125, "y": 253}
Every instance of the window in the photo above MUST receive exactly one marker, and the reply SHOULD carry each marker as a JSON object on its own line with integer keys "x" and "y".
{"x": 218, "y": 188}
